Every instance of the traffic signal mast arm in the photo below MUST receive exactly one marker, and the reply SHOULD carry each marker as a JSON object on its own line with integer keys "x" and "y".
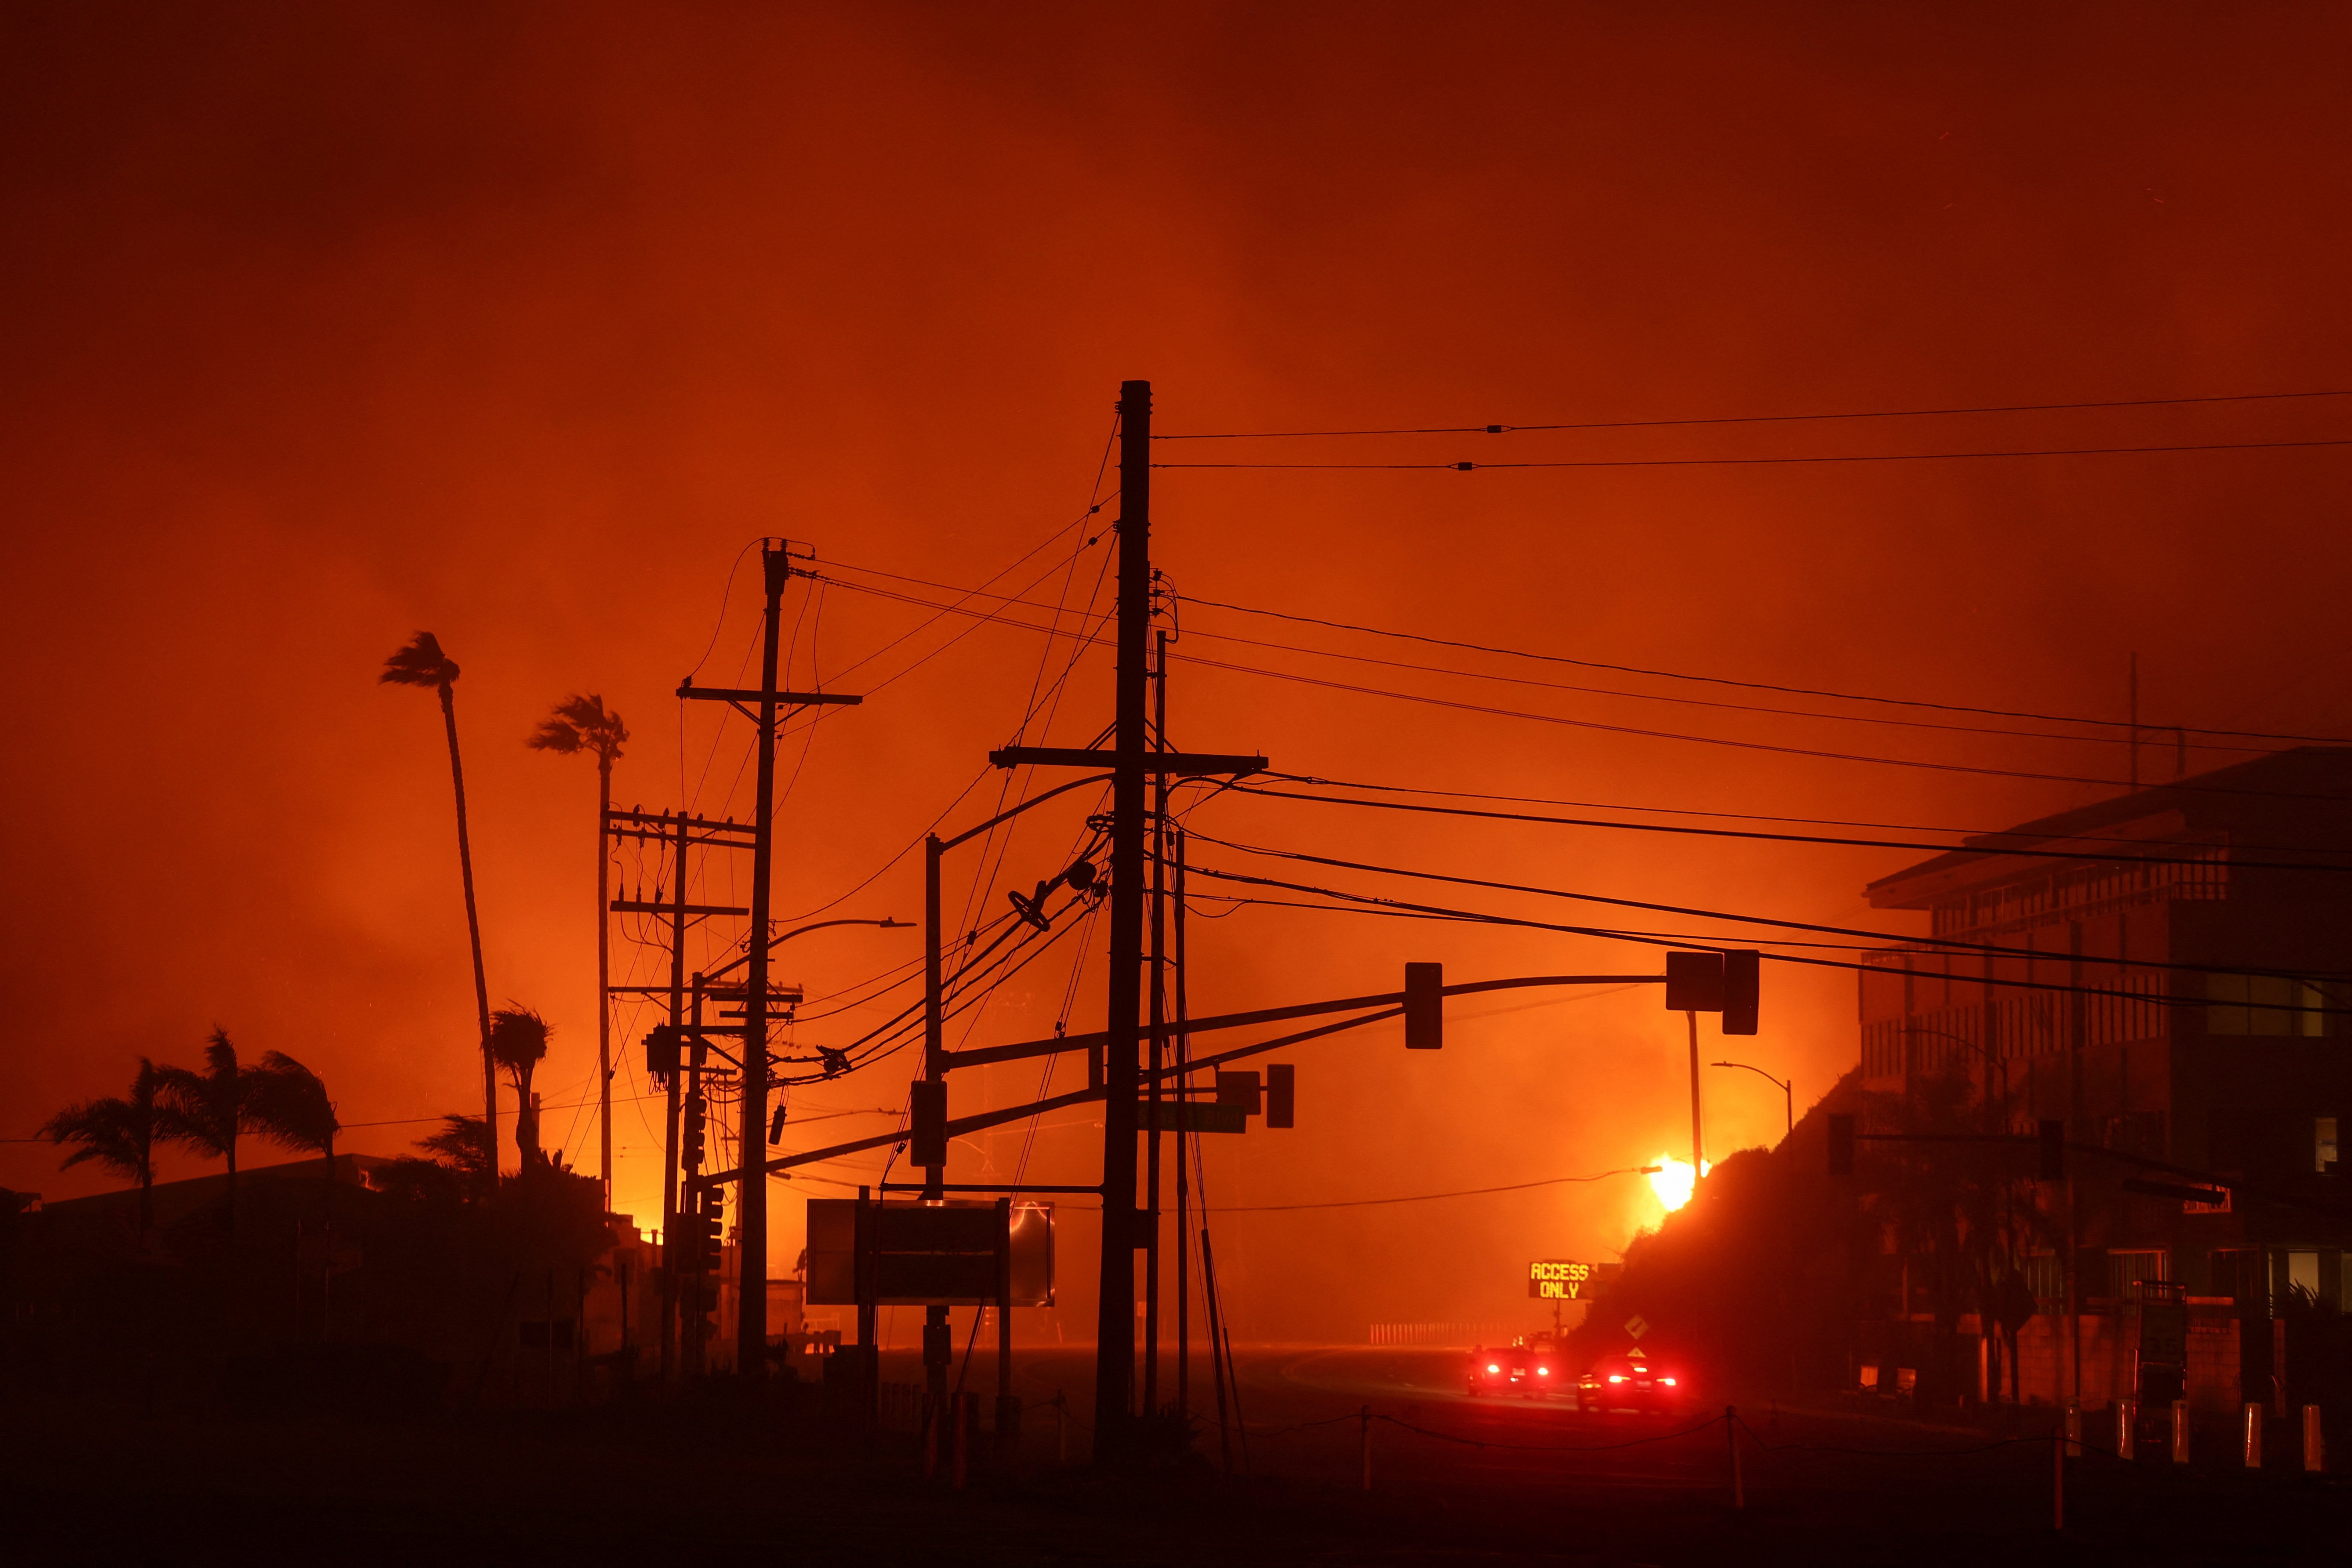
{"x": 1393, "y": 999}
{"x": 1385, "y": 1008}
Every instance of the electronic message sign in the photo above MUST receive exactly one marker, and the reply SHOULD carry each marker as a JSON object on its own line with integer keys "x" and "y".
{"x": 1557, "y": 1279}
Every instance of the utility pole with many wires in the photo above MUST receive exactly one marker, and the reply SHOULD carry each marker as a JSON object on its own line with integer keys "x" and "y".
{"x": 1134, "y": 759}
{"x": 761, "y": 706}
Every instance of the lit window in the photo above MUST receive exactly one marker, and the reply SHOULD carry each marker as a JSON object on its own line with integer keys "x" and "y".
{"x": 2270, "y": 1001}
{"x": 2323, "y": 1144}
{"x": 2264, "y": 1005}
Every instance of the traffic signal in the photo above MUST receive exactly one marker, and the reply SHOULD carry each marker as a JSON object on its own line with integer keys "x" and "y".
{"x": 1281, "y": 1095}
{"x": 2050, "y": 1145}
{"x": 1742, "y": 979}
{"x": 1841, "y": 1130}
{"x": 711, "y": 1221}
{"x": 689, "y": 1136}
{"x": 1424, "y": 1007}
{"x": 1693, "y": 982}
{"x": 927, "y": 1145}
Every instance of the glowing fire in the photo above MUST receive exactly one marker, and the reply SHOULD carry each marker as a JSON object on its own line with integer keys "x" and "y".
{"x": 1672, "y": 1180}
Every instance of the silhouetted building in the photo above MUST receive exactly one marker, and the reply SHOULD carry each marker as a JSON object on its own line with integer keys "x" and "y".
{"x": 331, "y": 1285}
{"x": 2170, "y": 984}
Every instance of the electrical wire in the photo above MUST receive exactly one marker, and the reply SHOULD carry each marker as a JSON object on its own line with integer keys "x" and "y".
{"x": 2119, "y": 740}
{"x": 1949, "y": 945}
{"x": 1245, "y": 787}
{"x": 1428, "y": 1197}
{"x": 1758, "y": 418}
{"x": 1981, "y": 833}
{"x": 1464, "y": 466}
{"x": 1749, "y": 685}
{"x": 1613, "y": 934}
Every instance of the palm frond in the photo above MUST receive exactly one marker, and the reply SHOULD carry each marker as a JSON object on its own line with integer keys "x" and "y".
{"x": 420, "y": 662}
{"x": 518, "y": 1037}
{"x": 463, "y": 1145}
{"x": 581, "y": 724}
{"x": 292, "y": 1106}
{"x": 102, "y": 1132}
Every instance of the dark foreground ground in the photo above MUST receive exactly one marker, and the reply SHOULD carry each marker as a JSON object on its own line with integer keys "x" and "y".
{"x": 1453, "y": 1481}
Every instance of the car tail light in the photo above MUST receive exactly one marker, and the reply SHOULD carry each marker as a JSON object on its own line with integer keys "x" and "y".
{"x": 1543, "y": 1371}
{"x": 1616, "y": 1377}
{"x": 1667, "y": 1381}
{"x": 1492, "y": 1367}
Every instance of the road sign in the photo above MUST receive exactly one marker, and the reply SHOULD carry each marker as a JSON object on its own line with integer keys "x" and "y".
{"x": 1557, "y": 1279}
{"x": 1637, "y": 1325}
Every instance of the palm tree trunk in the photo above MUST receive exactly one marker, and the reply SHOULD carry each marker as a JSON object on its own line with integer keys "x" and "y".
{"x": 473, "y": 931}
{"x": 603, "y": 979}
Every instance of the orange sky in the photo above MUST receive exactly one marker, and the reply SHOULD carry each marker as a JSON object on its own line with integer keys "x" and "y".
{"x": 520, "y": 323}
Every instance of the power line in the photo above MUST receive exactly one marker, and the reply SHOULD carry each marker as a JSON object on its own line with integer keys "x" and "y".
{"x": 1520, "y": 680}
{"x": 1755, "y": 418}
{"x": 2122, "y": 724}
{"x": 1613, "y": 934}
{"x": 1651, "y": 734}
{"x": 1825, "y": 458}
{"x": 1949, "y": 945}
{"x": 1757, "y": 816}
{"x": 1815, "y": 752}
{"x": 2110, "y": 859}
{"x": 1431, "y": 1197}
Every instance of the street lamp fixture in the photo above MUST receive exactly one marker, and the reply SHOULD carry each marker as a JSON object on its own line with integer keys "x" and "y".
{"x": 1788, "y": 1094}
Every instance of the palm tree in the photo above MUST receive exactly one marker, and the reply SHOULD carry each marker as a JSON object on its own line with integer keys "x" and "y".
{"x": 583, "y": 724}
{"x": 422, "y": 663}
{"x": 519, "y": 1042}
{"x": 210, "y": 1109}
{"x": 463, "y": 1164}
{"x": 463, "y": 1145}
{"x": 119, "y": 1134}
{"x": 294, "y": 1109}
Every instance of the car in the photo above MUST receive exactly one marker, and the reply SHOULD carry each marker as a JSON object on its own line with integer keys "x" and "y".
{"x": 1528, "y": 1370}
{"x": 1632, "y": 1382}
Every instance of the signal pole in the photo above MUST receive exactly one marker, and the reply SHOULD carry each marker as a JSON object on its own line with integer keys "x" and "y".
{"x": 1158, "y": 992}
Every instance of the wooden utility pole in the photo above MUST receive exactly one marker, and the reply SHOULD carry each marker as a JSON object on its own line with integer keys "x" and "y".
{"x": 1132, "y": 761}
{"x": 682, "y": 832}
{"x": 604, "y": 976}
{"x": 751, "y": 1197}
{"x": 669, "y": 1119}
{"x": 751, "y": 1200}
{"x": 1115, "y": 1312}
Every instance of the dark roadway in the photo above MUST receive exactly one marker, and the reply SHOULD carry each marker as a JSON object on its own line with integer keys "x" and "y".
{"x": 1454, "y": 1480}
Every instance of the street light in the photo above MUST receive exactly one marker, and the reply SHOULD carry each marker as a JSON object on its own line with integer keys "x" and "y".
{"x": 1788, "y": 1094}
